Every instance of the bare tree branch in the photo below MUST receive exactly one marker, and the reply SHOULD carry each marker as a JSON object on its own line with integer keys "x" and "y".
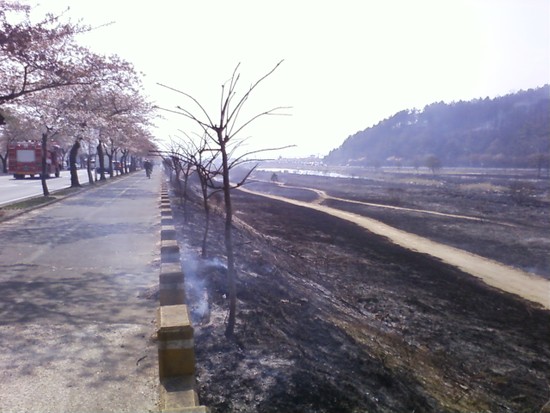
{"x": 193, "y": 99}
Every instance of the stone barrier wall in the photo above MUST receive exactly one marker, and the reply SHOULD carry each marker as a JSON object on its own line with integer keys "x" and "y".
{"x": 176, "y": 347}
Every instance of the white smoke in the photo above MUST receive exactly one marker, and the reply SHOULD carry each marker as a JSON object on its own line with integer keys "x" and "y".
{"x": 195, "y": 271}
{"x": 195, "y": 290}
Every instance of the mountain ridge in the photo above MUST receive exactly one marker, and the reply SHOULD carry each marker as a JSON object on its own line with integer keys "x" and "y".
{"x": 507, "y": 131}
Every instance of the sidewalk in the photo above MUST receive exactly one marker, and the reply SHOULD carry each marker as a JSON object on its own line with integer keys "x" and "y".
{"x": 77, "y": 313}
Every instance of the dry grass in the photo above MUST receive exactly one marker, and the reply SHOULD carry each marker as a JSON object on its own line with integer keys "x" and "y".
{"x": 483, "y": 187}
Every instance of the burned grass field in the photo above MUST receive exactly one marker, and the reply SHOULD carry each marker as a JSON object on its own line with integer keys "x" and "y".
{"x": 332, "y": 318}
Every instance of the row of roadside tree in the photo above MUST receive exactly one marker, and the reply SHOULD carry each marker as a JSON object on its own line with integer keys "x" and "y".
{"x": 54, "y": 89}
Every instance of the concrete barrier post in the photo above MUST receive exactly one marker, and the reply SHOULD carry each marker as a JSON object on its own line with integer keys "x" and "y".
{"x": 175, "y": 342}
{"x": 171, "y": 285}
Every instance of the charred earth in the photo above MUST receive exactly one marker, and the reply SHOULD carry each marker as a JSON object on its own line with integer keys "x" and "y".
{"x": 332, "y": 318}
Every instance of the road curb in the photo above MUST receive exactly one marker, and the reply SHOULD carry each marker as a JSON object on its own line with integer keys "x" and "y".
{"x": 176, "y": 347}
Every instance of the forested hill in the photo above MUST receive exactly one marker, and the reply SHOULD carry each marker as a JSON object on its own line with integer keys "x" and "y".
{"x": 508, "y": 131}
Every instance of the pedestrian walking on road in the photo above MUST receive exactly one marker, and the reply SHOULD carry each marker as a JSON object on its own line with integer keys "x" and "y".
{"x": 148, "y": 168}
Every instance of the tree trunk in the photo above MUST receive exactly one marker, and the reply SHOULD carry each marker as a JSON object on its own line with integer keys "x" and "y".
{"x": 120, "y": 168}
{"x": 112, "y": 161}
{"x": 184, "y": 193}
{"x": 124, "y": 162}
{"x": 231, "y": 275}
{"x": 63, "y": 158}
{"x": 44, "y": 173}
{"x": 178, "y": 183}
{"x": 110, "y": 158}
{"x": 89, "y": 170}
{"x": 206, "y": 230}
{"x": 101, "y": 162}
{"x": 72, "y": 162}
{"x": 4, "y": 160}
{"x": 206, "y": 215}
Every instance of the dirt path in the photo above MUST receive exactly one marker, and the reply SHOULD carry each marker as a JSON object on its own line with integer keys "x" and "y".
{"x": 523, "y": 284}
{"x": 324, "y": 196}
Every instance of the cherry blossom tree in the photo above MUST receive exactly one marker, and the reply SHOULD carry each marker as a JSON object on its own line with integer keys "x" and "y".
{"x": 37, "y": 59}
{"x": 50, "y": 112}
{"x": 43, "y": 55}
{"x": 126, "y": 117}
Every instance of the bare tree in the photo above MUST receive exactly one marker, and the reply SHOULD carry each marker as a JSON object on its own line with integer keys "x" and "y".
{"x": 185, "y": 159}
{"x": 433, "y": 162}
{"x": 203, "y": 159}
{"x": 223, "y": 134}
{"x": 178, "y": 160}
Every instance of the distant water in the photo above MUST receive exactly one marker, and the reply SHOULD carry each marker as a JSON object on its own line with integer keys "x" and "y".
{"x": 464, "y": 172}
{"x": 308, "y": 172}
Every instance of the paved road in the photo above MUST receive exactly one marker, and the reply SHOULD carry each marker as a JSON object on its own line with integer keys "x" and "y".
{"x": 12, "y": 189}
{"x": 75, "y": 317}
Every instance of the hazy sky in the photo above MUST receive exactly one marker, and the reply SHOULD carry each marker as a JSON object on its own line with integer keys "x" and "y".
{"x": 347, "y": 64}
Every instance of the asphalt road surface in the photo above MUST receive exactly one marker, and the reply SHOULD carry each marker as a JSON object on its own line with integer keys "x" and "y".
{"x": 12, "y": 190}
{"x": 76, "y": 319}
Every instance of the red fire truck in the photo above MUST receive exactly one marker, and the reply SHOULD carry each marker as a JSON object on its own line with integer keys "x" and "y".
{"x": 25, "y": 158}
